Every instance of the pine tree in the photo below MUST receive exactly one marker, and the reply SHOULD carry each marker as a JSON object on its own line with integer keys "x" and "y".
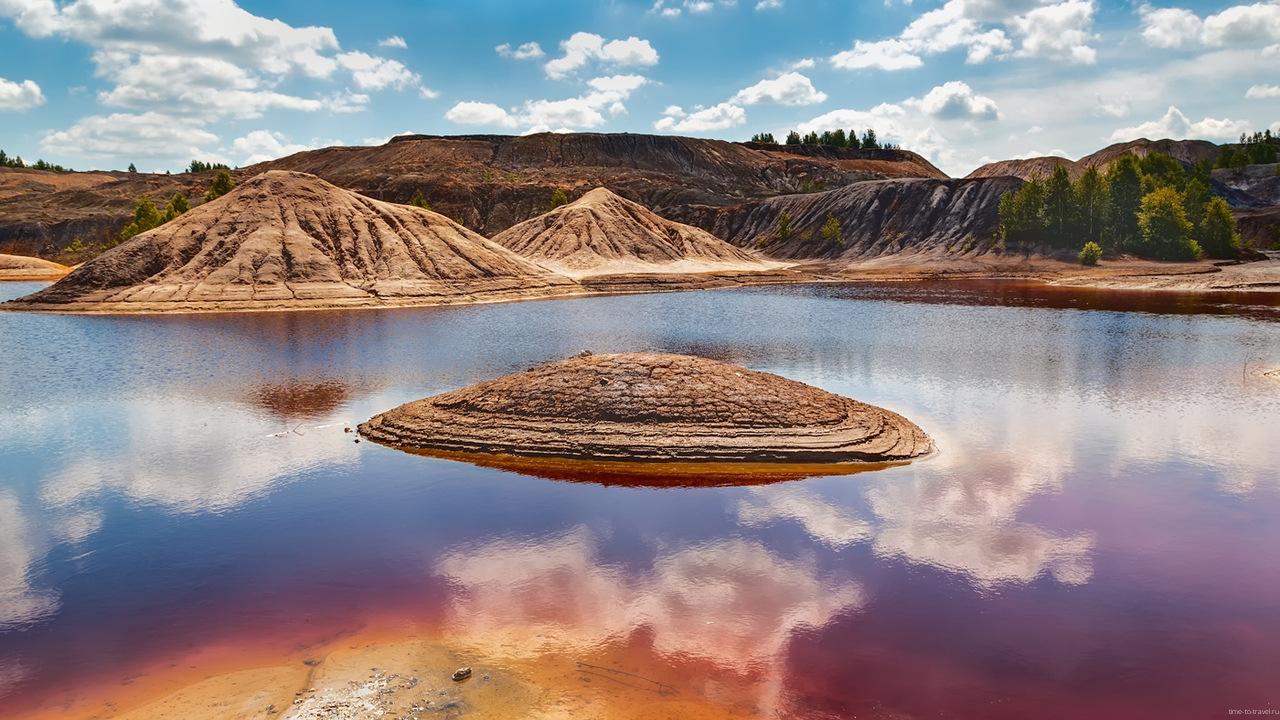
{"x": 177, "y": 205}
{"x": 853, "y": 141}
{"x": 420, "y": 200}
{"x": 1091, "y": 202}
{"x": 763, "y": 138}
{"x": 222, "y": 184}
{"x": 793, "y": 138}
{"x": 133, "y": 168}
{"x": 558, "y": 198}
{"x": 1059, "y": 208}
{"x": 869, "y": 140}
{"x": 1124, "y": 190}
{"x": 831, "y": 231}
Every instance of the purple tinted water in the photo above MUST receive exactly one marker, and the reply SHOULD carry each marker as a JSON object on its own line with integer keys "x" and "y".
{"x": 1095, "y": 539}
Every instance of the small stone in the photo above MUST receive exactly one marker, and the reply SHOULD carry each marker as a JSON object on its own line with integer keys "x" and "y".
{"x": 461, "y": 674}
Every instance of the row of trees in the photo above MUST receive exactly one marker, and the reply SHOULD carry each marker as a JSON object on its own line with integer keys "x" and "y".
{"x": 1259, "y": 148}
{"x": 830, "y": 138}
{"x": 17, "y": 162}
{"x": 1150, "y": 206}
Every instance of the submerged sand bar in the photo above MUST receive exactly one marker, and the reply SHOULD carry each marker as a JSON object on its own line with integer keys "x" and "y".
{"x": 651, "y": 407}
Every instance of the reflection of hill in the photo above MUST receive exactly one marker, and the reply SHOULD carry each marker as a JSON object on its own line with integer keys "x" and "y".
{"x": 295, "y": 400}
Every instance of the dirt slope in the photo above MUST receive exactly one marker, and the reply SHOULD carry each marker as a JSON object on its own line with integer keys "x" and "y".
{"x": 21, "y": 267}
{"x": 1189, "y": 152}
{"x": 601, "y": 233}
{"x": 287, "y": 239}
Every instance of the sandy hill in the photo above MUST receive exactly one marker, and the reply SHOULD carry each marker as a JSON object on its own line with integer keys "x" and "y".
{"x": 491, "y": 182}
{"x": 21, "y": 267}
{"x": 651, "y": 407}
{"x": 603, "y": 234}
{"x": 285, "y": 239}
{"x": 1188, "y": 152}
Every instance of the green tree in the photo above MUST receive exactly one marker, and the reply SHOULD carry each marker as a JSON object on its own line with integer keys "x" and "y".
{"x": 1124, "y": 190}
{"x": 1020, "y": 212}
{"x": 145, "y": 217}
{"x": 558, "y": 198}
{"x": 1091, "y": 204}
{"x": 1195, "y": 196}
{"x": 1218, "y": 233}
{"x": 1059, "y": 208}
{"x": 869, "y": 140}
{"x": 1160, "y": 170}
{"x": 831, "y": 231}
{"x": 222, "y": 184}
{"x": 793, "y": 138}
{"x": 420, "y": 200}
{"x": 1163, "y": 226}
{"x": 133, "y": 168}
{"x": 178, "y": 204}
{"x": 853, "y": 141}
{"x": 811, "y": 138}
{"x": 1090, "y": 254}
{"x": 764, "y": 138}
{"x": 784, "y": 227}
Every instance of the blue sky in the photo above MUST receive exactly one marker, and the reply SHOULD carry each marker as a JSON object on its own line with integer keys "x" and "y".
{"x": 102, "y": 83}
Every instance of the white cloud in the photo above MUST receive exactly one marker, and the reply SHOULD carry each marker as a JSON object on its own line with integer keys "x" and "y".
{"x": 480, "y": 113}
{"x": 787, "y": 89}
{"x": 955, "y": 100}
{"x": 561, "y": 115}
{"x": 262, "y": 145}
{"x": 1116, "y": 108}
{"x": 1176, "y": 126}
{"x": 1056, "y": 31}
{"x": 1237, "y": 26}
{"x": 882, "y": 54}
{"x": 205, "y": 59}
{"x": 20, "y": 95}
{"x": 717, "y": 117}
{"x": 768, "y": 5}
{"x": 1170, "y": 27}
{"x": 395, "y": 41}
{"x": 527, "y": 51}
{"x": 802, "y": 64}
{"x": 1059, "y": 32}
{"x": 582, "y": 47}
{"x": 148, "y": 135}
{"x": 1262, "y": 91}
{"x": 375, "y": 73}
{"x": 21, "y": 602}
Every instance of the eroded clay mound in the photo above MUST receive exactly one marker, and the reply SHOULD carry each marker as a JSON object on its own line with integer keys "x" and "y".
{"x": 602, "y": 233}
{"x": 651, "y": 407}
{"x": 21, "y": 267}
{"x": 286, "y": 238}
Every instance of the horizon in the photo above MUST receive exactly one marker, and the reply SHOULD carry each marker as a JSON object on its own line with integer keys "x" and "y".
{"x": 90, "y": 84}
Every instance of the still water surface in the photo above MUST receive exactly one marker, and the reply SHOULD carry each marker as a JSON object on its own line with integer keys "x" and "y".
{"x": 1097, "y": 538}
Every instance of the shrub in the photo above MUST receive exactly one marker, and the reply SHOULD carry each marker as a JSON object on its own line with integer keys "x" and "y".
{"x": 1091, "y": 253}
{"x": 558, "y": 198}
{"x": 222, "y": 184}
{"x": 420, "y": 200}
{"x": 831, "y": 231}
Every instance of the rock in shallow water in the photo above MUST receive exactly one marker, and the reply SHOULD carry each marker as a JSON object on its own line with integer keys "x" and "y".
{"x": 655, "y": 408}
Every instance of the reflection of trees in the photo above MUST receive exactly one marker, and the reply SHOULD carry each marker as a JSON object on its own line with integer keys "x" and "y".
{"x": 20, "y": 603}
{"x": 731, "y": 602}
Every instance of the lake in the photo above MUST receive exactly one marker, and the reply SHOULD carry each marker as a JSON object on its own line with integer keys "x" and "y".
{"x": 179, "y": 500}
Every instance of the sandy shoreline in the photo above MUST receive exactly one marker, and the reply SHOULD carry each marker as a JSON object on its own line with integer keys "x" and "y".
{"x": 1125, "y": 274}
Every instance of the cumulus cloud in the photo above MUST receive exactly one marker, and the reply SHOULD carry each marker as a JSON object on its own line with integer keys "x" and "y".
{"x": 204, "y": 60}
{"x": 395, "y": 41}
{"x": 768, "y": 5}
{"x": 787, "y": 89}
{"x": 955, "y": 100}
{"x": 607, "y": 92}
{"x": 262, "y": 145}
{"x": 1255, "y": 25}
{"x": 1262, "y": 91}
{"x": 582, "y": 48}
{"x": 1177, "y": 126}
{"x": 376, "y": 73}
{"x": 526, "y": 51}
{"x": 1058, "y": 31}
{"x": 20, "y": 95}
{"x": 717, "y": 117}
{"x": 151, "y": 135}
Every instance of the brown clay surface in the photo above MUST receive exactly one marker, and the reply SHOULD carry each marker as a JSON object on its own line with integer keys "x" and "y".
{"x": 651, "y": 407}
{"x": 286, "y": 239}
{"x": 21, "y": 267}
{"x": 601, "y": 233}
